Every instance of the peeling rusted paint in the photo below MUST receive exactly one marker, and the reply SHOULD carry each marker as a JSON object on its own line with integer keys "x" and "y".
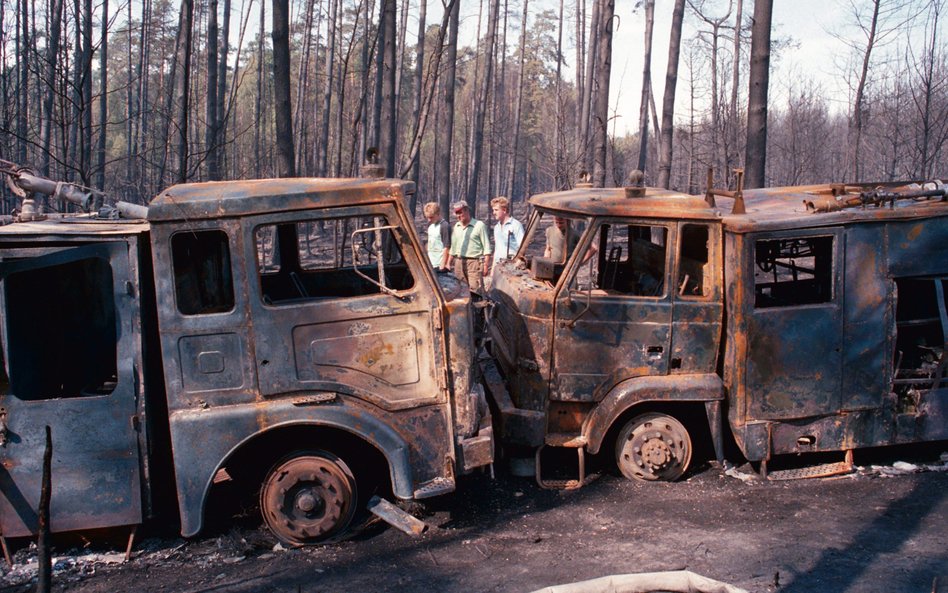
{"x": 270, "y": 342}
{"x": 802, "y": 322}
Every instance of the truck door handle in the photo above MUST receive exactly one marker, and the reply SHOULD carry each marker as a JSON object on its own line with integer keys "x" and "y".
{"x": 654, "y": 351}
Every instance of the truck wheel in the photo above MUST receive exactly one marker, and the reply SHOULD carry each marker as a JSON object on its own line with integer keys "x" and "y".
{"x": 653, "y": 447}
{"x": 308, "y": 497}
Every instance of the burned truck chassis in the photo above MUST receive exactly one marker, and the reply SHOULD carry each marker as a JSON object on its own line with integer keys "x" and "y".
{"x": 814, "y": 317}
{"x": 289, "y": 334}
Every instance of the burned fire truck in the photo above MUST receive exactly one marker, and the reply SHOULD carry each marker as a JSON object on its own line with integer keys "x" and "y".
{"x": 287, "y": 340}
{"x": 633, "y": 321}
{"x": 286, "y": 337}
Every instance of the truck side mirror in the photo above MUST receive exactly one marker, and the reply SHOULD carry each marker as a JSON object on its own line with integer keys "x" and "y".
{"x": 379, "y": 259}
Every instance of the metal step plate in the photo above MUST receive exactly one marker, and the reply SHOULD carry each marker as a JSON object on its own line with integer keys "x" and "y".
{"x": 814, "y": 471}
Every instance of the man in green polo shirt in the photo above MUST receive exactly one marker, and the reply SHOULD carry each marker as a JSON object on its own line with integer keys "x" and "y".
{"x": 470, "y": 247}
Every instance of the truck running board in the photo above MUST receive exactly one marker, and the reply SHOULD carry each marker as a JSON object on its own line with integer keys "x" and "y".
{"x": 579, "y": 444}
{"x": 814, "y": 471}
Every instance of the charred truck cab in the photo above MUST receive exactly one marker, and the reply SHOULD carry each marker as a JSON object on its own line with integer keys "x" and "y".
{"x": 638, "y": 319}
{"x": 287, "y": 335}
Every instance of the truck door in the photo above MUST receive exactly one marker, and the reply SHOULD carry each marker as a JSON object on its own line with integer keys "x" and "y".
{"x": 698, "y": 309}
{"x": 794, "y": 326}
{"x": 71, "y": 357}
{"x": 340, "y": 310}
{"x": 613, "y": 315}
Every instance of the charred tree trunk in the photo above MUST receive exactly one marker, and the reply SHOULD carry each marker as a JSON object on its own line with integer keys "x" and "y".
{"x": 327, "y": 93}
{"x": 429, "y": 87}
{"x": 446, "y": 126}
{"x": 734, "y": 124}
{"x": 170, "y": 89}
{"x": 756, "y": 155}
{"x": 283, "y": 110}
{"x": 855, "y": 140}
{"x": 184, "y": 111}
{"x": 481, "y": 106}
{"x": 668, "y": 102}
{"x": 18, "y": 87}
{"x": 580, "y": 69}
{"x": 518, "y": 106}
{"x": 928, "y": 80}
{"x": 85, "y": 136}
{"x": 387, "y": 139}
{"x": 220, "y": 125}
{"x": 103, "y": 98}
{"x": 646, "y": 84}
{"x": 588, "y": 99}
{"x": 603, "y": 70}
{"x": 56, "y": 8}
{"x": 258, "y": 99}
{"x": 140, "y": 126}
{"x": 418, "y": 82}
{"x": 302, "y": 90}
{"x": 560, "y": 176}
{"x": 212, "y": 107}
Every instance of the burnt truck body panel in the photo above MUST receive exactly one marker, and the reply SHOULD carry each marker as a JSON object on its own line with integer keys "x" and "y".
{"x": 601, "y": 337}
{"x": 337, "y": 321}
{"x": 72, "y": 329}
{"x": 852, "y": 363}
{"x": 264, "y": 328}
{"x": 818, "y": 325}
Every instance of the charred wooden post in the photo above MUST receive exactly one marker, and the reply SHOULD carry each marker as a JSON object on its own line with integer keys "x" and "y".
{"x": 45, "y": 559}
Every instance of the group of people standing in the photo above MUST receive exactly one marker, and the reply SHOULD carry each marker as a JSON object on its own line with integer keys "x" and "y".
{"x": 466, "y": 247}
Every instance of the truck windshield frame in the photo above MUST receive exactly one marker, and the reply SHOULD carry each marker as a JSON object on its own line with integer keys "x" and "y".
{"x": 329, "y": 258}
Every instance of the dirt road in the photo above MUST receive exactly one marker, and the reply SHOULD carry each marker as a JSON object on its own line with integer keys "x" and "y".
{"x": 866, "y": 533}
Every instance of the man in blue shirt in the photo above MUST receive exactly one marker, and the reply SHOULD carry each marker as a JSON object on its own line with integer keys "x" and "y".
{"x": 508, "y": 232}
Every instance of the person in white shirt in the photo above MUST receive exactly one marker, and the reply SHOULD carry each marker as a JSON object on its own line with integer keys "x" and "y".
{"x": 508, "y": 232}
{"x": 439, "y": 236}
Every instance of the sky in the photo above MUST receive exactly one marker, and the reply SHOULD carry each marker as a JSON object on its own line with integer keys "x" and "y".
{"x": 812, "y": 52}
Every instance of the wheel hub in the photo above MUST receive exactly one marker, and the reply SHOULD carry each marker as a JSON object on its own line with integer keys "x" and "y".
{"x": 653, "y": 447}
{"x": 308, "y": 502}
{"x": 308, "y": 498}
{"x": 656, "y": 453}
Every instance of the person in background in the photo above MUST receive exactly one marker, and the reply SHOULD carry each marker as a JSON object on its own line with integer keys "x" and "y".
{"x": 556, "y": 248}
{"x": 439, "y": 236}
{"x": 470, "y": 247}
{"x": 508, "y": 232}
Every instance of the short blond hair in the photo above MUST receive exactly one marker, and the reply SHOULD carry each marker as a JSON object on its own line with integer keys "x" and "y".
{"x": 501, "y": 202}
{"x": 431, "y": 208}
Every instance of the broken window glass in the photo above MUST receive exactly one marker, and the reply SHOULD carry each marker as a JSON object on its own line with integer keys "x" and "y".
{"x": 921, "y": 339}
{"x": 626, "y": 259}
{"x": 202, "y": 274}
{"x": 61, "y": 331}
{"x": 693, "y": 272}
{"x": 329, "y": 258}
{"x": 793, "y": 271}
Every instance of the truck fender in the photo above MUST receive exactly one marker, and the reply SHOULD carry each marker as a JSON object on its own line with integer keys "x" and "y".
{"x": 195, "y": 485}
{"x": 624, "y": 395}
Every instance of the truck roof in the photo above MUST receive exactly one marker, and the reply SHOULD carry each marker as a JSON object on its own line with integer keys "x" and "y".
{"x": 655, "y": 203}
{"x": 74, "y": 224}
{"x": 192, "y": 201}
{"x": 766, "y": 209}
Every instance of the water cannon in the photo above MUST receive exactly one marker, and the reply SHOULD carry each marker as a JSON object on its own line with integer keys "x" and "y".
{"x": 25, "y": 182}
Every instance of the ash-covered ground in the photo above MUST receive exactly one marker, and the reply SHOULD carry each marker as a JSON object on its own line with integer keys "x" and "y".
{"x": 883, "y": 528}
